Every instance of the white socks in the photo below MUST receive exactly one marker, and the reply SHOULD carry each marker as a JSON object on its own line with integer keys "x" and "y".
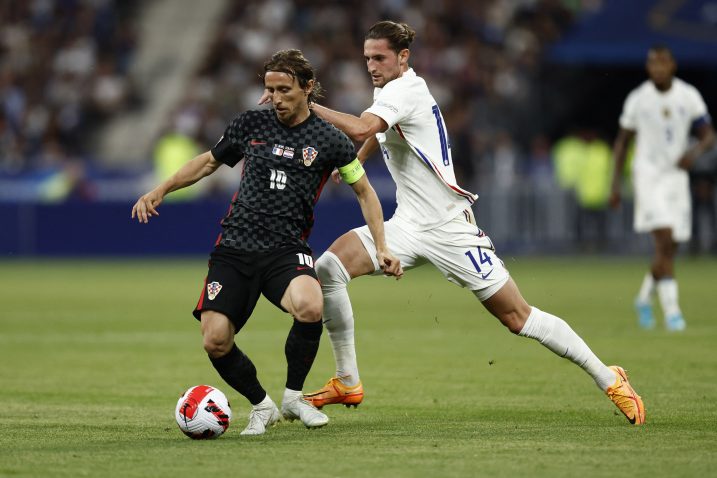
{"x": 667, "y": 292}
{"x": 291, "y": 395}
{"x": 556, "y": 335}
{"x": 338, "y": 316}
{"x": 646, "y": 289}
{"x": 266, "y": 403}
{"x": 548, "y": 329}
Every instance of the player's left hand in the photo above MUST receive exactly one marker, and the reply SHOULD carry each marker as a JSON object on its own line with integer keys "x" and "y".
{"x": 390, "y": 264}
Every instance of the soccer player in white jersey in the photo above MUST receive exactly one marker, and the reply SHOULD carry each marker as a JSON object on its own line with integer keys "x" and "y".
{"x": 433, "y": 224}
{"x": 662, "y": 112}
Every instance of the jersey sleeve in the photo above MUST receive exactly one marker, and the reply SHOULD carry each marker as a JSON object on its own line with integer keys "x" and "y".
{"x": 698, "y": 107}
{"x": 344, "y": 150}
{"x": 230, "y": 147}
{"x": 393, "y": 103}
{"x": 628, "y": 118}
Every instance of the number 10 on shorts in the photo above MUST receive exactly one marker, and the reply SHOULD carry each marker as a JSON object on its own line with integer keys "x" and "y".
{"x": 482, "y": 257}
{"x": 305, "y": 259}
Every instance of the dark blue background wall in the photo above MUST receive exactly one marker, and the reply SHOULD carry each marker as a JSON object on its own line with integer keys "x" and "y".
{"x": 107, "y": 229}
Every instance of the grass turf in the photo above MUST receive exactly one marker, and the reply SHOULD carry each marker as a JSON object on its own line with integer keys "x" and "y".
{"x": 94, "y": 354}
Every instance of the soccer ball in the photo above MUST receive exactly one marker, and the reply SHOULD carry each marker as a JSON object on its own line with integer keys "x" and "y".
{"x": 203, "y": 412}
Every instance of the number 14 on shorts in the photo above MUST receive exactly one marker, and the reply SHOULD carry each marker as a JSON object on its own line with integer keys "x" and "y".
{"x": 483, "y": 258}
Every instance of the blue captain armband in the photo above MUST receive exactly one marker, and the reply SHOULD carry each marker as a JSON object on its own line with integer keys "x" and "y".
{"x": 352, "y": 172}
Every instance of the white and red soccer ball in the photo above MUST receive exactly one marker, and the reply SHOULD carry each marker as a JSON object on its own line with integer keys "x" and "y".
{"x": 203, "y": 412}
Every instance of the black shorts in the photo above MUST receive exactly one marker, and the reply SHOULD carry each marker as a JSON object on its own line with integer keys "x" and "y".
{"x": 235, "y": 280}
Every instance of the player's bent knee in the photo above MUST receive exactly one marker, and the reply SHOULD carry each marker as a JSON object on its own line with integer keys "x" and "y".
{"x": 513, "y": 320}
{"x": 217, "y": 345}
{"x": 217, "y": 333}
{"x": 307, "y": 310}
{"x": 331, "y": 272}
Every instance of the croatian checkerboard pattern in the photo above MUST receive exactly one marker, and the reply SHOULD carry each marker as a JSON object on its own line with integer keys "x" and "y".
{"x": 265, "y": 213}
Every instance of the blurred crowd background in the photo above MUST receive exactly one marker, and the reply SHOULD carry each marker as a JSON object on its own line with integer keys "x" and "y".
{"x": 99, "y": 99}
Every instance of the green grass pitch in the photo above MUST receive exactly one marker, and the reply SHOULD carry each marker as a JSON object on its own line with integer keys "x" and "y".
{"x": 94, "y": 354}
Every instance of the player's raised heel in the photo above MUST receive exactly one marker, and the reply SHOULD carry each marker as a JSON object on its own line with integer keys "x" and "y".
{"x": 303, "y": 410}
{"x": 625, "y": 398}
{"x": 335, "y": 392}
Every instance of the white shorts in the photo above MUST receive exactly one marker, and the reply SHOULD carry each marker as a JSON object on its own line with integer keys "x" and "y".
{"x": 459, "y": 249}
{"x": 664, "y": 202}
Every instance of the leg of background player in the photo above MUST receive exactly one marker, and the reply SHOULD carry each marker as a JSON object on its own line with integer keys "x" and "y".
{"x": 663, "y": 270}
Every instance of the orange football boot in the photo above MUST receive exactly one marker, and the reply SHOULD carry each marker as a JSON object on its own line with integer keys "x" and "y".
{"x": 336, "y": 392}
{"x": 625, "y": 397}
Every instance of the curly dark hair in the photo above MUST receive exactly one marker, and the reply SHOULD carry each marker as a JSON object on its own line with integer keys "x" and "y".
{"x": 293, "y": 63}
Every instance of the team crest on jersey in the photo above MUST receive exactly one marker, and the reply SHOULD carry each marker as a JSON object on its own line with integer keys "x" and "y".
{"x": 213, "y": 289}
{"x": 281, "y": 150}
{"x": 309, "y": 155}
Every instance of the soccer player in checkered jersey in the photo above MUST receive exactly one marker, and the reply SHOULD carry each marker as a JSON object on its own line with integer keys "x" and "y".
{"x": 433, "y": 223}
{"x": 662, "y": 111}
{"x": 288, "y": 154}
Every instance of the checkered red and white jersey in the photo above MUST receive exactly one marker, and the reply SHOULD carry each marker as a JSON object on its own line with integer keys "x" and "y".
{"x": 284, "y": 170}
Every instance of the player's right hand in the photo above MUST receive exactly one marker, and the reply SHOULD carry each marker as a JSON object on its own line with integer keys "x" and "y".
{"x": 146, "y": 206}
{"x": 336, "y": 176}
{"x": 390, "y": 264}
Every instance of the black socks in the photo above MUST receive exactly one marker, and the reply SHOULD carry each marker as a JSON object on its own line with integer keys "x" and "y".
{"x": 238, "y": 371}
{"x": 301, "y": 347}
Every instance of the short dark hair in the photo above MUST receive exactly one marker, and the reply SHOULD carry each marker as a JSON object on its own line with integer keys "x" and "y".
{"x": 293, "y": 63}
{"x": 659, "y": 48}
{"x": 399, "y": 35}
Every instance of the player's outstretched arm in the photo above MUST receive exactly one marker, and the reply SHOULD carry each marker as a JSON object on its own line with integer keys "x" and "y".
{"x": 357, "y": 128}
{"x": 619, "y": 153}
{"x": 373, "y": 214}
{"x": 194, "y": 170}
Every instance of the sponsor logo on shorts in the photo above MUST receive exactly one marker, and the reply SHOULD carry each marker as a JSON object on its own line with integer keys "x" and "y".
{"x": 213, "y": 289}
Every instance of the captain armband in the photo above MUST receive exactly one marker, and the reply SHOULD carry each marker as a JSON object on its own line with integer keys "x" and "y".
{"x": 352, "y": 172}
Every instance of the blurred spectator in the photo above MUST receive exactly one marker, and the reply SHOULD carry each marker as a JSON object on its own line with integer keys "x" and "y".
{"x": 64, "y": 69}
{"x": 703, "y": 176}
{"x": 174, "y": 149}
{"x": 63, "y": 66}
{"x": 540, "y": 164}
{"x": 567, "y": 158}
{"x": 481, "y": 58}
{"x": 584, "y": 164}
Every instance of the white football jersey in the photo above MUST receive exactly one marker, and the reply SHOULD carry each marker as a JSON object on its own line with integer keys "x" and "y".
{"x": 662, "y": 122}
{"x": 417, "y": 152}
